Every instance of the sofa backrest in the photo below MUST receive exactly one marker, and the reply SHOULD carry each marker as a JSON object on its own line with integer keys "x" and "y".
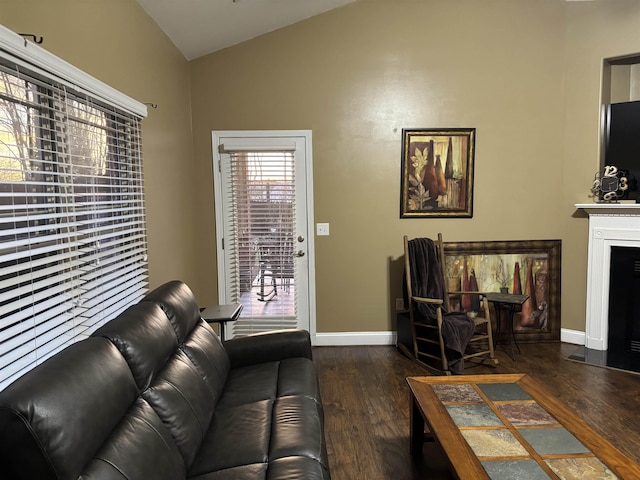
{"x": 181, "y": 382}
{"x": 179, "y": 363}
{"x": 179, "y": 304}
{"x": 195, "y": 338}
{"x": 136, "y": 397}
{"x": 74, "y": 413}
{"x": 145, "y": 339}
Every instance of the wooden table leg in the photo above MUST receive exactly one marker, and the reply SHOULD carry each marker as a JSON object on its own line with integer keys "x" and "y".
{"x": 416, "y": 429}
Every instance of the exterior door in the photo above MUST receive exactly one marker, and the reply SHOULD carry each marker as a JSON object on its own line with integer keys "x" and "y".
{"x": 264, "y": 228}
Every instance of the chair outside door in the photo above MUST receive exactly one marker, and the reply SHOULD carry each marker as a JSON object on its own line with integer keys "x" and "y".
{"x": 276, "y": 266}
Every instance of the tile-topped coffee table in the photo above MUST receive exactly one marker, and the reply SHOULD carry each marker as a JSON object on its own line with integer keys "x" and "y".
{"x": 507, "y": 427}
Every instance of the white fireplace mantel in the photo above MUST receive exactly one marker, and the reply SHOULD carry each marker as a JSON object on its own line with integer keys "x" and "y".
{"x": 610, "y": 224}
{"x": 610, "y": 209}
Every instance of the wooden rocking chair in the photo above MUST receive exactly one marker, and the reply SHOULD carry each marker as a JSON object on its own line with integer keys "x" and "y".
{"x": 428, "y": 335}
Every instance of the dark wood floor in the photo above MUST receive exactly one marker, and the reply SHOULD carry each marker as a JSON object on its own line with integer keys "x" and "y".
{"x": 366, "y": 403}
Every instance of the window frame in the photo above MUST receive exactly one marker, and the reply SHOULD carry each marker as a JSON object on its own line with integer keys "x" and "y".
{"x": 101, "y": 208}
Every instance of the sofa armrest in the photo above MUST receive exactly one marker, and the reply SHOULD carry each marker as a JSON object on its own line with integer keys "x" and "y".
{"x": 268, "y": 347}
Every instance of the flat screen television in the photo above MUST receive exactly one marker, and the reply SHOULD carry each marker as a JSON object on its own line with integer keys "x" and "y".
{"x": 622, "y": 142}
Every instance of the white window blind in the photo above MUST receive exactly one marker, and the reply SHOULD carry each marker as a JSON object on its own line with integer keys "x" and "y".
{"x": 72, "y": 219}
{"x": 259, "y": 237}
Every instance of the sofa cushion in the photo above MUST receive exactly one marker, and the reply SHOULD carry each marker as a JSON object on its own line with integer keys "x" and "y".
{"x": 267, "y": 411}
{"x": 297, "y": 468}
{"x": 296, "y": 428}
{"x": 145, "y": 338}
{"x": 238, "y": 435}
{"x": 250, "y": 384}
{"x": 204, "y": 349}
{"x": 297, "y": 376}
{"x": 182, "y": 400}
{"x": 254, "y": 471}
{"x": 139, "y": 448}
{"x": 292, "y": 468}
{"x": 292, "y": 376}
{"x": 179, "y": 304}
{"x": 47, "y": 413}
{"x": 262, "y": 432}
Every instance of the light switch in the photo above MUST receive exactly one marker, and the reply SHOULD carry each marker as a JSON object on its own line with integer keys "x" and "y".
{"x": 322, "y": 229}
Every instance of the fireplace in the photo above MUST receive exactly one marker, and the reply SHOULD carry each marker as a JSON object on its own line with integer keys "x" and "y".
{"x": 624, "y": 308}
{"x": 614, "y": 231}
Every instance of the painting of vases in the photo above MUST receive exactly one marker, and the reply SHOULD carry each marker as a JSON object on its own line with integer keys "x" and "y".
{"x": 534, "y": 309}
{"x": 519, "y": 268}
{"x": 437, "y": 173}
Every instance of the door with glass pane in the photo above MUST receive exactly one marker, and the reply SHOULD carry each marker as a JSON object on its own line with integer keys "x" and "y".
{"x": 262, "y": 185}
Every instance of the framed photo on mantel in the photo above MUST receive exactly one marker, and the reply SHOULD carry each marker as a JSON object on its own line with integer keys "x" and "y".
{"x": 437, "y": 172}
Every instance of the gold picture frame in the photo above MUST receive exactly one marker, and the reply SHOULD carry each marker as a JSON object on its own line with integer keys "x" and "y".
{"x": 437, "y": 172}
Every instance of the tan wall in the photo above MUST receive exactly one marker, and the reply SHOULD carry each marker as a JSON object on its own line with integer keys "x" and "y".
{"x": 525, "y": 74}
{"x": 356, "y": 76}
{"x": 594, "y": 31}
{"x": 117, "y": 42}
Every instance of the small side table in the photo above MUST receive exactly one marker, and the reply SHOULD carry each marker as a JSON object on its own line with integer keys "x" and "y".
{"x": 221, "y": 314}
{"x": 508, "y": 302}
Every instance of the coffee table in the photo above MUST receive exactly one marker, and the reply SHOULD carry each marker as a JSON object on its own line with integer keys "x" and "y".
{"x": 506, "y": 426}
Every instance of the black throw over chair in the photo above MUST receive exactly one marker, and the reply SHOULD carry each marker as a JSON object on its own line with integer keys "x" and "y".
{"x": 440, "y": 338}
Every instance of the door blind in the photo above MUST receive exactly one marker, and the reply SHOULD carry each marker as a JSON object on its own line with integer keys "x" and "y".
{"x": 259, "y": 238}
{"x": 72, "y": 219}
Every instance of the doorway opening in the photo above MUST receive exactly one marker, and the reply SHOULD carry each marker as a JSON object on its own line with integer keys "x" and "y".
{"x": 264, "y": 218}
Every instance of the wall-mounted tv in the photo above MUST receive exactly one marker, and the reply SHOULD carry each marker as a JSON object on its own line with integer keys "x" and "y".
{"x": 622, "y": 142}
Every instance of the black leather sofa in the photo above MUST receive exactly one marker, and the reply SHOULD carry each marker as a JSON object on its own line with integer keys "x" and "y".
{"x": 154, "y": 395}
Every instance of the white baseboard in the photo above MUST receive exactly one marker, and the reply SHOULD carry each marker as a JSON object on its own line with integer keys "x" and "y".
{"x": 572, "y": 336}
{"x": 343, "y": 339}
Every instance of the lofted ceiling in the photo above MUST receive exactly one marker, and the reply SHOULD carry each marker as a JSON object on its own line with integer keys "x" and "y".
{"x": 199, "y": 27}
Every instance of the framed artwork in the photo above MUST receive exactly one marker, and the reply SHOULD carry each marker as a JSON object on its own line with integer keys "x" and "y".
{"x": 437, "y": 173}
{"x": 521, "y": 267}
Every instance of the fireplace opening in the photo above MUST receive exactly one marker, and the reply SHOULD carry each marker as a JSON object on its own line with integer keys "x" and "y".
{"x": 624, "y": 308}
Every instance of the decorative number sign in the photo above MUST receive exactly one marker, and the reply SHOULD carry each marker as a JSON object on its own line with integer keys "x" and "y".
{"x": 609, "y": 185}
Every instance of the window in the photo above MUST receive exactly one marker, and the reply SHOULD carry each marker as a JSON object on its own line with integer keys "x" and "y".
{"x": 262, "y": 207}
{"x": 72, "y": 220}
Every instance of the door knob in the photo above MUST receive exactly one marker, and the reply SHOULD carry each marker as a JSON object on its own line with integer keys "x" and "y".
{"x": 300, "y": 239}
